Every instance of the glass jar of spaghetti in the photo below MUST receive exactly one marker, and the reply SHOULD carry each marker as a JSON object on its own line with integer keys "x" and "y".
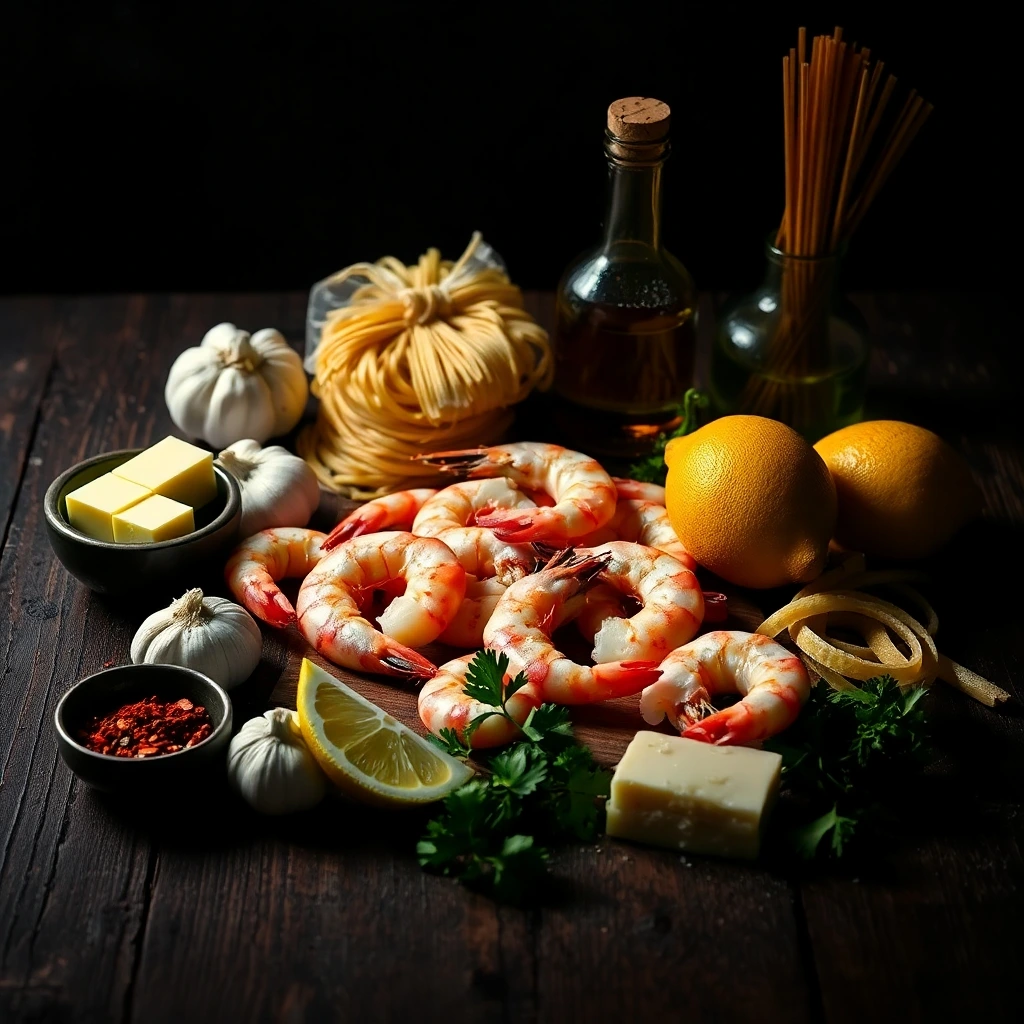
{"x": 794, "y": 349}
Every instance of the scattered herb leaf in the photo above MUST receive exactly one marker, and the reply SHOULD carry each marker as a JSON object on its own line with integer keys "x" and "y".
{"x": 547, "y": 786}
{"x": 841, "y": 755}
{"x": 652, "y": 467}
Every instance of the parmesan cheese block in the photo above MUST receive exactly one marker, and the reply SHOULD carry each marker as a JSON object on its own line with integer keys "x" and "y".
{"x": 155, "y": 519}
{"x": 91, "y": 506}
{"x": 175, "y": 469}
{"x": 693, "y": 796}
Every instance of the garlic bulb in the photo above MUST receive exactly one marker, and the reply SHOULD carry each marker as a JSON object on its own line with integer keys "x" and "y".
{"x": 278, "y": 488}
{"x": 233, "y": 386}
{"x": 271, "y": 766}
{"x": 210, "y": 634}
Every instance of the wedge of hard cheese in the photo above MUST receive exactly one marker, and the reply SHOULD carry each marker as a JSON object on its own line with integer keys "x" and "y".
{"x": 693, "y": 796}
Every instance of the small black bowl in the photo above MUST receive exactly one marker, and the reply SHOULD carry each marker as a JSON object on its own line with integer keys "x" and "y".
{"x": 127, "y": 568}
{"x": 112, "y": 688}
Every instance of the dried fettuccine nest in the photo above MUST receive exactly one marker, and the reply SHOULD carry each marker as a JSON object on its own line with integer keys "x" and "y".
{"x": 894, "y": 641}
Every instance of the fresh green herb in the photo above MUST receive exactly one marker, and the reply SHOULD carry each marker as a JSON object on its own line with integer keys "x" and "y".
{"x": 652, "y": 468}
{"x": 842, "y": 752}
{"x": 547, "y": 786}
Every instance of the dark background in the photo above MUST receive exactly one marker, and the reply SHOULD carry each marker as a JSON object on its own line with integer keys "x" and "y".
{"x": 258, "y": 146}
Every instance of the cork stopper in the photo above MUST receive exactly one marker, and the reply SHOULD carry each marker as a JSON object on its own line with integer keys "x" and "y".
{"x": 639, "y": 119}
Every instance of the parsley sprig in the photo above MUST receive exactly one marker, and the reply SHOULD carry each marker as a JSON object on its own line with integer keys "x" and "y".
{"x": 652, "y": 467}
{"x": 493, "y": 831}
{"x": 841, "y": 754}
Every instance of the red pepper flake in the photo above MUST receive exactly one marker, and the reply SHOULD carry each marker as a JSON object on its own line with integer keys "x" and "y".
{"x": 148, "y": 728}
{"x": 109, "y": 663}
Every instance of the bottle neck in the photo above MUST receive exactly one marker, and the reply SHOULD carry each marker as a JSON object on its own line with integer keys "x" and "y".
{"x": 634, "y": 196}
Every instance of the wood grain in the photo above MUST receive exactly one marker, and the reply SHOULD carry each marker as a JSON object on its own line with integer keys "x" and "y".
{"x": 202, "y": 910}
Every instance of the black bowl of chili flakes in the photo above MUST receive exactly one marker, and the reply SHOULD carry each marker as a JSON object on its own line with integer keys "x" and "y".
{"x": 138, "y": 726}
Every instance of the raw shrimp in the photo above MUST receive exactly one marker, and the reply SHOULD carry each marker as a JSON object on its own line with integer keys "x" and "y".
{"x": 522, "y": 623}
{"x": 773, "y": 682}
{"x": 256, "y": 565}
{"x": 639, "y": 490}
{"x": 442, "y": 704}
{"x": 584, "y": 493}
{"x": 672, "y": 605}
{"x": 642, "y": 522}
{"x": 393, "y": 511}
{"x": 450, "y": 516}
{"x": 328, "y": 604}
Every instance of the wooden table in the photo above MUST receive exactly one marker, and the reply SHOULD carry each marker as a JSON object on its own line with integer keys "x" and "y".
{"x": 195, "y": 909}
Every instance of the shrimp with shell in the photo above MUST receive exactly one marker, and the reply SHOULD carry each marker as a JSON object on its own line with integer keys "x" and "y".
{"x": 259, "y": 562}
{"x": 583, "y": 492}
{"x": 329, "y": 602}
{"x": 451, "y": 515}
{"x": 671, "y": 603}
{"x": 772, "y": 681}
{"x": 524, "y": 619}
{"x": 443, "y": 704}
{"x": 394, "y": 511}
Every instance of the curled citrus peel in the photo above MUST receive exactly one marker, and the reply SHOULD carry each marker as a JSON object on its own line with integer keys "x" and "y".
{"x": 835, "y": 601}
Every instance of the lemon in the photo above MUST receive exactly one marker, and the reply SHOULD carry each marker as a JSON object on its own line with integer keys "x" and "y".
{"x": 751, "y": 500}
{"x": 903, "y": 491}
{"x": 364, "y": 751}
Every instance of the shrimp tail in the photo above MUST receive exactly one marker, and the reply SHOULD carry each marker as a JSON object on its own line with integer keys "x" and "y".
{"x": 464, "y": 462}
{"x": 354, "y": 525}
{"x": 731, "y": 725}
{"x": 402, "y": 661}
{"x": 512, "y": 525}
{"x": 272, "y": 607}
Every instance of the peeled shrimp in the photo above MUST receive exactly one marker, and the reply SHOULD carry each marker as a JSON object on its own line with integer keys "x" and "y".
{"x": 672, "y": 605}
{"x": 642, "y": 522}
{"x": 391, "y": 512}
{"x": 773, "y": 682}
{"x": 328, "y": 601}
{"x": 256, "y": 565}
{"x": 442, "y": 704}
{"x": 639, "y": 490}
{"x": 584, "y": 493}
{"x": 451, "y": 514}
{"x": 522, "y": 623}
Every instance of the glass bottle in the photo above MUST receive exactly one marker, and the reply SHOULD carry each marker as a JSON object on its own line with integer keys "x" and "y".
{"x": 794, "y": 350}
{"x": 625, "y": 313}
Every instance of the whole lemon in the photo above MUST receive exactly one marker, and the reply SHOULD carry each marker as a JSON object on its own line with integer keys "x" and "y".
{"x": 903, "y": 491}
{"x": 751, "y": 500}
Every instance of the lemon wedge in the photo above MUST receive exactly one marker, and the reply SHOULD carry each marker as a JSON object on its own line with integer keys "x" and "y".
{"x": 364, "y": 751}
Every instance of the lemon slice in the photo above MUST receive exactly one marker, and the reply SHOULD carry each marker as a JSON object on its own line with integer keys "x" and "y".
{"x": 364, "y": 751}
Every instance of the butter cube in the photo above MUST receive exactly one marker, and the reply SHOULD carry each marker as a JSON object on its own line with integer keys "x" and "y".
{"x": 175, "y": 469}
{"x": 91, "y": 506}
{"x": 156, "y": 518}
{"x": 688, "y": 795}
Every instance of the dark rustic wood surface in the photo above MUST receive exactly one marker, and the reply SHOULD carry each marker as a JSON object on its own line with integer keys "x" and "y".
{"x": 196, "y": 909}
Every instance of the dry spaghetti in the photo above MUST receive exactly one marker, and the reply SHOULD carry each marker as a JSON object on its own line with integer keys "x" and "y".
{"x": 424, "y": 358}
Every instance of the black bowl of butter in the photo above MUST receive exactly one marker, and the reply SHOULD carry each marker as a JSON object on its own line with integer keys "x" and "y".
{"x": 156, "y": 542}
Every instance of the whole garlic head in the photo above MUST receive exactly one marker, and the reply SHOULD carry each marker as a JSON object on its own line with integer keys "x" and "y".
{"x": 278, "y": 488}
{"x": 235, "y": 386}
{"x": 210, "y": 634}
{"x": 270, "y": 765}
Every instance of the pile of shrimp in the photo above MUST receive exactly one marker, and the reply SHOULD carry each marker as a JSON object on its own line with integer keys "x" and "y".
{"x": 532, "y": 537}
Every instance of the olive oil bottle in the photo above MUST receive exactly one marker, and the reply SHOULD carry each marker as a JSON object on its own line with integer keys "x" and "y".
{"x": 625, "y": 319}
